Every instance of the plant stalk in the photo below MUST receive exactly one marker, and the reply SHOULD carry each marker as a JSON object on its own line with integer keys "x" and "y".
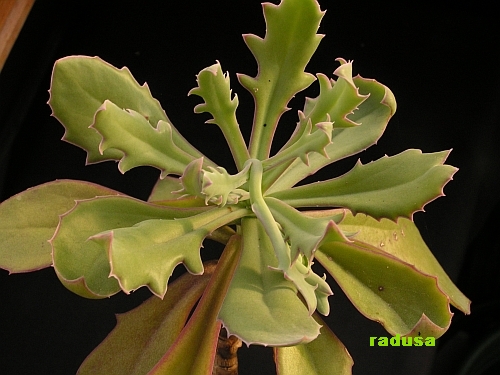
{"x": 226, "y": 357}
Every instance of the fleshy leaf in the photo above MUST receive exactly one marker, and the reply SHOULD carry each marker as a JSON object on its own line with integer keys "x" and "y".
{"x": 194, "y": 351}
{"x": 166, "y": 193}
{"x": 310, "y": 141}
{"x": 28, "y": 221}
{"x": 402, "y": 240}
{"x": 261, "y": 307}
{"x": 82, "y": 265}
{"x": 148, "y": 252}
{"x": 81, "y": 84}
{"x": 326, "y": 356}
{"x": 389, "y": 187}
{"x": 214, "y": 88}
{"x": 164, "y": 189}
{"x": 304, "y": 233}
{"x": 214, "y": 185}
{"x": 385, "y": 289}
{"x": 221, "y": 187}
{"x": 336, "y": 101}
{"x": 141, "y": 144}
{"x": 142, "y": 335}
{"x": 282, "y": 56}
{"x": 372, "y": 115}
{"x": 313, "y": 288}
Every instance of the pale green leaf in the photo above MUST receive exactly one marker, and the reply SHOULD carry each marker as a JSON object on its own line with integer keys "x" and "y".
{"x": 166, "y": 193}
{"x": 163, "y": 194}
{"x": 140, "y": 143}
{"x": 221, "y": 187}
{"x": 336, "y": 101}
{"x": 390, "y": 187}
{"x": 402, "y": 240}
{"x": 387, "y": 290}
{"x": 29, "y": 219}
{"x": 309, "y": 142}
{"x": 147, "y": 253}
{"x": 83, "y": 265}
{"x": 261, "y": 306}
{"x": 326, "y": 355}
{"x": 372, "y": 115}
{"x": 164, "y": 189}
{"x": 214, "y": 88}
{"x": 313, "y": 288}
{"x": 142, "y": 335}
{"x": 81, "y": 84}
{"x": 304, "y": 233}
{"x": 193, "y": 352}
{"x": 282, "y": 56}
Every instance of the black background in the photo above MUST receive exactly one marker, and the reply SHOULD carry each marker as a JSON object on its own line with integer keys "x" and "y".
{"x": 440, "y": 61}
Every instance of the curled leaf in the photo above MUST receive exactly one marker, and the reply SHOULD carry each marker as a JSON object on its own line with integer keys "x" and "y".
{"x": 305, "y": 233}
{"x": 81, "y": 84}
{"x": 82, "y": 265}
{"x": 140, "y": 144}
{"x": 147, "y": 253}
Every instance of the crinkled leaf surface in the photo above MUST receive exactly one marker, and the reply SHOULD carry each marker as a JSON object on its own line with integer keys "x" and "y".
{"x": 372, "y": 115}
{"x": 261, "y": 307}
{"x": 326, "y": 356}
{"x": 141, "y": 144}
{"x": 81, "y": 84}
{"x": 28, "y": 221}
{"x": 389, "y": 187}
{"x": 142, "y": 335}
{"x": 385, "y": 289}
{"x": 83, "y": 265}
{"x": 194, "y": 351}
{"x": 214, "y": 88}
{"x": 282, "y": 56}
{"x": 402, "y": 240}
{"x": 147, "y": 253}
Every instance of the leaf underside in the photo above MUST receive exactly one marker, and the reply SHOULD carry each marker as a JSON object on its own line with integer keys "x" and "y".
{"x": 194, "y": 351}
{"x": 142, "y": 335}
{"x": 326, "y": 356}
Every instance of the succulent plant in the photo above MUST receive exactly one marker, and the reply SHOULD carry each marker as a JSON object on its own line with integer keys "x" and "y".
{"x": 264, "y": 289}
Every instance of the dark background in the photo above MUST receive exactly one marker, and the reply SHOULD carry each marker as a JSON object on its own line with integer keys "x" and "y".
{"x": 440, "y": 61}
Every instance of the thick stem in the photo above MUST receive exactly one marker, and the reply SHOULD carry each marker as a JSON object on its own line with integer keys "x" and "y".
{"x": 226, "y": 357}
